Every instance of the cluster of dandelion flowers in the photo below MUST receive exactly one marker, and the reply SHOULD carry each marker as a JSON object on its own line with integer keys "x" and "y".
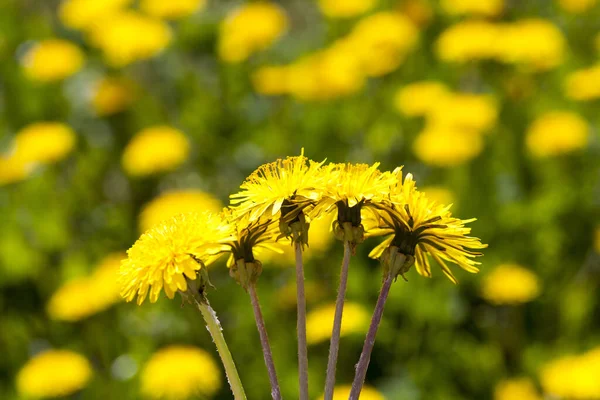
{"x": 54, "y": 373}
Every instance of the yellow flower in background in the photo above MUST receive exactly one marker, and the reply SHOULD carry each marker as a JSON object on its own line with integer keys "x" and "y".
{"x": 52, "y": 60}
{"x": 439, "y": 194}
{"x": 466, "y": 111}
{"x": 82, "y": 297}
{"x": 180, "y": 372}
{"x": 468, "y": 41}
{"x": 557, "y": 132}
{"x": 583, "y": 84}
{"x": 320, "y": 320}
{"x": 485, "y": 8}
{"x": 129, "y": 36}
{"x": 510, "y": 284}
{"x": 82, "y": 14}
{"x": 419, "y": 98}
{"x": 112, "y": 95}
{"x": 271, "y": 80}
{"x": 420, "y": 12}
{"x": 576, "y": 6}
{"x": 170, "y": 253}
{"x": 43, "y": 143}
{"x": 345, "y": 9}
{"x": 382, "y": 40}
{"x": 54, "y": 373}
{"x": 441, "y": 146}
{"x": 174, "y": 202}
{"x": 12, "y": 170}
{"x": 342, "y": 392}
{"x": 250, "y": 28}
{"x": 172, "y": 9}
{"x": 516, "y": 389}
{"x": 155, "y": 149}
{"x": 573, "y": 377}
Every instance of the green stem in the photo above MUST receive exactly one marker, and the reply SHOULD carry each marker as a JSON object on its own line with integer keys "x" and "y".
{"x": 301, "y": 325}
{"x": 337, "y": 324}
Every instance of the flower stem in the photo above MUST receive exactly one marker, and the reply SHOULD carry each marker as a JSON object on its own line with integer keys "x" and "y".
{"x": 214, "y": 328}
{"x": 337, "y": 324}
{"x": 365, "y": 356}
{"x": 301, "y": 325}
{"x": 264, "y": 341}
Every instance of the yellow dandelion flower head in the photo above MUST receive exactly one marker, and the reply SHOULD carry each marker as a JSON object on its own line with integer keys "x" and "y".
{"x": 573, "y": 377}
{"x": 250, "y": 236}
{"x": 180, "y": 372}
{"x": 54, "y": 373}
{"x": 355, "y": 320}
{"x": 443, "y": 146}
{"x": 382, "y": 40}
{"x": 576, "y": 6}
{"x": 250, "y": 28}
{"x": 418, "y": 99}
{"x": 420, "y": 12}
{"x": 173, "y": 9}
{"x": 470, "y": 111}
{"x": 345, "y": 9}
{"x": 418, "y": 227}
{"x": 43, "y": 143}
{"x": 174, "y": 202}
{"x": 555, "y": 133}
{"x": 271, "y": 80}
{"x": 468, "y": 41}
{"x": 516, "y": 388}
{"x": 510, "y": 284}
{"x": 484, "y": 8}
{"x": 155, "y": 149}
{"x": 439, "y": 194}
{"x": 128, "y": 36}
{"x": 85, "y": 296}
{"x": 583, "y": 84}
{"x": 342, "y": 392}
{"x": 82, "y": 14}
{"x": 52, "y": 60}
{"x": 170, "y": 253}
{"x": 112, "y": 95}
{"x": 13, "y": 170}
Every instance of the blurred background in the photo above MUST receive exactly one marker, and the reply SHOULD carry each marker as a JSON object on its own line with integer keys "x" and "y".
{"x": 117, "y": 114}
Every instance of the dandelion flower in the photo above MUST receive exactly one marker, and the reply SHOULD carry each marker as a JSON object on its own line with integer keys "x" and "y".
{"x": 468, "y": 111}
{"x": 12, "y": 170}
{"x": 270, "y": 80}
{"x": 174, "y": 202}
{"x": 170, "y": 253}
{"x": 43, "y": 143}
{"x": 516, "y": 388}
{"x": 510, "y": 284}
{"x": 54, "y": 373}
{"x": 419, "y": 228}
{"x": 583, "y": 84}
{"x": 447, "y": 147}
{"x": 155, "y": 149}
{"x": 173, "y": 9}
{"x": 419, "y": 98}
{"x": 180, "y": 372}
{"x": 355, "y": 320}
{"x": 468, "y": 41}
{"x": 345, "y": 9}
{"x": 555, "y": 133}
{"x": 111, "y": 96}
{"x": 82, "y": 14}
{"x": 250, "y": 28}
{"x": 52, "y": 60}
{"x": 484, "y": 8}
{"x": 342, "y": 392}
{"x": 573, "y": 377}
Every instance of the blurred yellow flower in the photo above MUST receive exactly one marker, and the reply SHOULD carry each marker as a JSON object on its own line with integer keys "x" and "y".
{"x": 42, "y": 142}
{"x": 345, "y": 9}
{"x": 442, "y": 146}
{"x": 439, "y": 194}
{"x": 576, "y": 6}
{"x": 382, "y": 40}
{"x": 510, "y": 284}
{"x": 128, "y": 36}
{"x": 419, "y": 98}
{"x": 468, "y": 41}
{"x": 52, "y": 60}
{"x": 112, "y": 95}
{"x": 12, "y": 170}
{"x": 250, "y": 28}
{"x": 583, "y": 84}
{"x": 556, "y": 132}
{"x": 172, "y": 9}
{"x": 174, "y": 202}
{"x": 516, "y": 389}
{"x": 82, "y": 297}
{"x": 342, "y": 392}
{"x": 54, "y": 373}
{"x": 486, "y": 8}
{"x": 573, "y": 377}
{"x": 319, "y": 321}
{"x": 467, "y": 111}
{"x": 155, "y": 149}
{"x": 180, "y": 372}
{"x": 419, "y": 12}
{"x": 82, "y": 14}
{"x": 271, "y": 80}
